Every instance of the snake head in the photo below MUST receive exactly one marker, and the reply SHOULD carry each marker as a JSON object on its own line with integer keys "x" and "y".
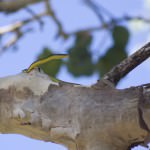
{"x": 27, "y": 70}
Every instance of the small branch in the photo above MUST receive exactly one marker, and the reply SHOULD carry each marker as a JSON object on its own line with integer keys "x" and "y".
{"x": 41, "y": 23}
{"x": 51, "y": 13}
{"x": 11, "y": 27}
{"x": 122, "y": 69}
{"x": 12, "y": 41}
{"x": 19, "y": 24}
{"x": 16, "y": 29}
{"x": 90, "y": 29}
{"x": 110, "y": 23}
{"x": 106, "y": 11}
{"x": 96, "y": 10}
{"x": 129, "y": 18}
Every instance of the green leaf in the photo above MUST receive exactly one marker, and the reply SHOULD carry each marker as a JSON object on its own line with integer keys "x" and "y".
{"x": 113, "y": 57}
{"x": 80, "y": 59}
{"x": 83, "y": 39}
{"x": 120, "y": 36}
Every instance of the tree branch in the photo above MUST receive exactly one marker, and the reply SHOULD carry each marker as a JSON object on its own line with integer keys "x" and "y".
{"x": 111, "y": 23}
{"x": 12, "y": 41}
{"x": 16, "y": 29}
{"x": 19, "y": 24}
{"x": 41, "y": 23}
{"x": 122, "y": 69}
{"x": 14, "y": 5}
{"x": 75, "y": 116}
{"x": 51, "y": 13}
{"x": 95, "y": 9}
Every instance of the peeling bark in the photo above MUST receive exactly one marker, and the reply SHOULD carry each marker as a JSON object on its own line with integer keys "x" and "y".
{"x": 99, "y": 117}
{"x": 81, "y": 118}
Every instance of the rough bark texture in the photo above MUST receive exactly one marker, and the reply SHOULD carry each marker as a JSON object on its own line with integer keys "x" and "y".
{"x": 99, "y": 117}
{"x": 123, "y": 68}
{"x": 81, "y": 118}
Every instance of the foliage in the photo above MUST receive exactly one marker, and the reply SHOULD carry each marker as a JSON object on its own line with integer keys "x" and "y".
{"x": 116, "y": 52}
{"x": 80, "y": 62}
{"x": 80, "y": 57}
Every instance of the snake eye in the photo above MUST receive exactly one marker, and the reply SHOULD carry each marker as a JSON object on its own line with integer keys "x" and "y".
{"x": 39, "y": 69}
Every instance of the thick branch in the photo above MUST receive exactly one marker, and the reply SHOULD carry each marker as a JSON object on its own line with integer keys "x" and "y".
{"x": 122, "y": 69}
{"x": 81, "y": 118}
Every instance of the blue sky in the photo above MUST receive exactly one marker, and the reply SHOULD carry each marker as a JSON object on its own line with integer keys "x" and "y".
{"x": 74, "y": 15}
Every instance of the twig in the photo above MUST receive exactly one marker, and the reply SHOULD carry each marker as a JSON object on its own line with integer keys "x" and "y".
{"x": 10, "y": 28}
{"x": 129, "y": 18}
{"x": 12, "y": 41}
{"x": 122, "y": 69}
{"x": 95, "y": 9}
{"x": 111, "y": 23}
{"x": 19, "y": 24}
{"x": 90, "y": 29}
{"x": 106, "y": 11}
{"x": 51, "y": 13}
{"x": 16, "y": 29}
{"x": 41, "y": 23}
